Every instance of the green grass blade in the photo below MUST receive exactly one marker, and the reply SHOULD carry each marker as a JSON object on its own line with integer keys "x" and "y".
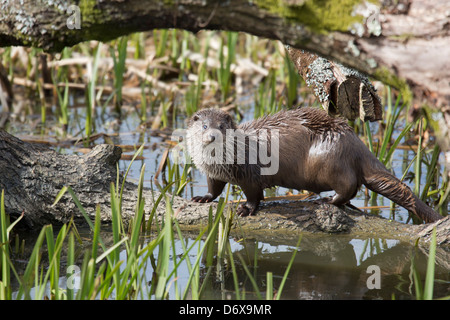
{"x": 418, "y": 164}
{"x": 164, "y": 254}
{"x": 138, "y": 152}
{"x": 31, "y": 271}
{"x": 199, "y": 256}
{"x": 60, "y": 195}
{"x": 429, "y": 278}
{"x": 431, "y": 171}
{"x": 70, "y": 262}
{"x": 286, "y": 273}
{"x": 395, "y": 144}
{"x": 115, "y": 221}
{"x": 4, "y": 252}
{"x": 250, "y": 276}
{"x": 96, "y": 235}
{"x": 139, "y": 216}
{"x": 269, "y": 286}
{"x": 111, "y": 249}
{"x": 234, "y": 273}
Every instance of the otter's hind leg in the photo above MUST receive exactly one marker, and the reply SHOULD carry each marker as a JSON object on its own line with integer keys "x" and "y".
{"x": 340, "y": 199}
{"x": 345, "y": 192}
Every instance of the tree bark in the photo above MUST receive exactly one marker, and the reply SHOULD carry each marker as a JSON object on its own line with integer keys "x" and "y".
{"x": 32, "y": 176}
{"x": 404, "y": 43}
{"x": 340, "y": 90}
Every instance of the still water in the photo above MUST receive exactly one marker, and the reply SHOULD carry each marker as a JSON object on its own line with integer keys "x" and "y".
{"x": 326, "y": 267}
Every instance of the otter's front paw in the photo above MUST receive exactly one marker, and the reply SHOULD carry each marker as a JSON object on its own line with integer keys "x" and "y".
{"x": 246, "y": 209}
{"x": 206, "y": 198}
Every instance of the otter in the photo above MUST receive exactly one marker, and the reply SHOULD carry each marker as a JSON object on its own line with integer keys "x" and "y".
{"x": 313, "y": 151}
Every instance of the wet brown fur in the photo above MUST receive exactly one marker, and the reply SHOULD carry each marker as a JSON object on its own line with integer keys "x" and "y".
{"x": 316, "y": 153}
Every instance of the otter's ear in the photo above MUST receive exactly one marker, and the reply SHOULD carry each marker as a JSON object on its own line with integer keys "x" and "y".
{"x": 229, "y": 118}
{"x": 195, "y": 117}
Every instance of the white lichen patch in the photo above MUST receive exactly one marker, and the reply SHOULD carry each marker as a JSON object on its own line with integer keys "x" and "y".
{"x": 371, "y": 22}
{"x": 24, "y": 21}
{"x": 349, "y": 72}
{"x": 319, "y": 73}
{"x": 352, "y": 48}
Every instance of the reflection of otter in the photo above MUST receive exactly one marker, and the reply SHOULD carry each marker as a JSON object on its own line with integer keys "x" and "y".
{"x": 316, "y": 153}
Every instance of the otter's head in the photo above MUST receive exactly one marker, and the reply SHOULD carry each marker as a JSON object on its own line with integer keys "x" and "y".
{"x": 209, "y": 126}
{"x": 206, "y": 135}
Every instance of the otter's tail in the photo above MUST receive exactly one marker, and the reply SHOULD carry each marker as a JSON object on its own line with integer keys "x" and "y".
{"x": 386, "y": 184}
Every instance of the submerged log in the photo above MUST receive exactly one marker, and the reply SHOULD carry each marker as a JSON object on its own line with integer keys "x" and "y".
{"x": 32, "y": 175}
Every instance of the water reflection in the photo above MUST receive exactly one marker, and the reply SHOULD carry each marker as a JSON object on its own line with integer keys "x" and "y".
{"x": 336, "y": 267}
{"x": 325, "y": 267}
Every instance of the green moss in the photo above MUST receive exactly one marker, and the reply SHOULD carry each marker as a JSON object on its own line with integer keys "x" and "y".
{"x": 89, "y": 12}
{"x": 96, "y": 23}
{"x": 319, "y": 15}
{"x": 387, "y": 77}
{"x": 436, "y": 120}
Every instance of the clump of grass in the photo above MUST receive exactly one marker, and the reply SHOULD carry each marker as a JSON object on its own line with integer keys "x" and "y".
{"x": 266, "y": 96}
{"x": 224, "y": 70}
{"x": 193, "y": 95}
{"x": 179, "y": 179}
{"x": 433, "y": 191}
{"x": 425, "y": 291}
{"x": 392, "y": 117}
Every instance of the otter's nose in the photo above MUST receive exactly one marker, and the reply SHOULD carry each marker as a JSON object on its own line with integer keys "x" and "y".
{"x": 210, "y": 137}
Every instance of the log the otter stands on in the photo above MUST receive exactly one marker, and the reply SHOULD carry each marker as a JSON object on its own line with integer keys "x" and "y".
{"x": 303, "y": 149}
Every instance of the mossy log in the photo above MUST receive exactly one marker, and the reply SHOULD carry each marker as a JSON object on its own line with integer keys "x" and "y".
{"x": 32, "y": 175}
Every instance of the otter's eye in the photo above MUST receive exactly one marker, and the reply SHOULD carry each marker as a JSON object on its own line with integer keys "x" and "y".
{"x": 221, "y": 126}
{"x": 205, "y": 127}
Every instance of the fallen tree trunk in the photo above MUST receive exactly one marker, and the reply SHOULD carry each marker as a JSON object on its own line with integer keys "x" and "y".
{"x": 32, "y": 176}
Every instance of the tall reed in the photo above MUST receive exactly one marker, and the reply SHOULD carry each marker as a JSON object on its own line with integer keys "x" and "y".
{"x": 292, "y": 83}
{"x": 119, "y": 69}
{"x": 91, "y": 92}
{"x": 63, "y": 100}
{"x": 224, "y": 70}
{"x": 425, "y": 292}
